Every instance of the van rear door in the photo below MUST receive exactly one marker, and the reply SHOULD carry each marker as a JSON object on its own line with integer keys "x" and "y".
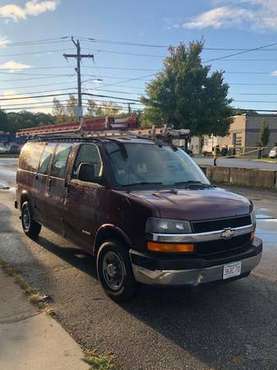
{"x": 41, "y": 183}
{"x": 55, "y": 190}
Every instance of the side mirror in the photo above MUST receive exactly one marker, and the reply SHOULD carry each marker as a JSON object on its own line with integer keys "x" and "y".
{"x": 87, "y": 172}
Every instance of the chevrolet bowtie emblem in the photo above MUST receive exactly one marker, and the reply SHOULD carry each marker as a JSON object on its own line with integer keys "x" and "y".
{"x": 227, "y": 234}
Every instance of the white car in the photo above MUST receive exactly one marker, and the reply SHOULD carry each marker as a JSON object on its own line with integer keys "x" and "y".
{"x": 3, "y": 149}
{"x": 273, "y": 152}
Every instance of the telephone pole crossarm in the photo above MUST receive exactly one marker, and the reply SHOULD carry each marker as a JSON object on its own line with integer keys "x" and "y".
{"x": 78, "y": 56}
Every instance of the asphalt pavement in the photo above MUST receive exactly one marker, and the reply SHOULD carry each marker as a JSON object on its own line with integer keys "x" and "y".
{"x": 239, "y": 163}
{"x": 225, "y": 326}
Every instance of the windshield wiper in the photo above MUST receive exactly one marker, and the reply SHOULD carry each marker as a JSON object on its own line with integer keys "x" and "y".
{"x": 192, "y": 183}
{"x": 142, "y": 183}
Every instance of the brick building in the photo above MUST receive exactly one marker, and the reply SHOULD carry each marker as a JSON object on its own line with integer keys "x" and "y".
{"x": 244, "y": 133}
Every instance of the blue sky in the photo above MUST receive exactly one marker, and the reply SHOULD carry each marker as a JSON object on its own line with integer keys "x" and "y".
{"x": 36, "y": 67}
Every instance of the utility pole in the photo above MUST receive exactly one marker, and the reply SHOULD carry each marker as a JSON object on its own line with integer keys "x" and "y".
{"x": 129, "y": 108}
{"x": 79, "y": 56}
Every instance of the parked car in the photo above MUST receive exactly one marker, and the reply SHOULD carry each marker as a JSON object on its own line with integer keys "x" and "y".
{"x": 3, "y": 149}
{"x": 144, "y": 209}
{"x": 273, "y": 152}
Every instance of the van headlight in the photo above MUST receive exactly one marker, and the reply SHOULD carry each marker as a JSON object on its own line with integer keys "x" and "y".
{"x": 253, "y": 214}
{"x": 253, "y": 217}
{"x": 167, "y": 226}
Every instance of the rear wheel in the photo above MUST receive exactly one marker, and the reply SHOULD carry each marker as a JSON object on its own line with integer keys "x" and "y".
{"x": 115, "y": 271}
{"x": 30, "y": 227}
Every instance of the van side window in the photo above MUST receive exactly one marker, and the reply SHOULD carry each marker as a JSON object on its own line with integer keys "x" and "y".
{"x": 46, "y": 158}
{"x": 88, "y": 153}
{"x": 30, "y": 156}
{"x": 60, "y": 160}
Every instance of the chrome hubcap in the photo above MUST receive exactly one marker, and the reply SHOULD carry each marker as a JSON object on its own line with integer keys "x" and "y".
{"x": 26, "y": 219}
{"x": 113, "y": 270}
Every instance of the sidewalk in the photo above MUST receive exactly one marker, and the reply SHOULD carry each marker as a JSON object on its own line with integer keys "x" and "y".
{"x": 30, "y": 339}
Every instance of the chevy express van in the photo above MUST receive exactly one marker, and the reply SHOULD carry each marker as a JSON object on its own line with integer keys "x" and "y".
{"x": 143, "y": 208}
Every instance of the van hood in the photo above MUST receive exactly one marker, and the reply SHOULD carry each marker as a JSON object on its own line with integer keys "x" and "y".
{"x": 191, "y": 204}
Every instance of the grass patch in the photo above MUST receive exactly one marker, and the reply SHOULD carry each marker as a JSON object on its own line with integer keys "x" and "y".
{"x": 33, "y": 295}
{"x": 28, "y": 290}
{"x": 267, "y": 160}
{"x": 99, "y": 362}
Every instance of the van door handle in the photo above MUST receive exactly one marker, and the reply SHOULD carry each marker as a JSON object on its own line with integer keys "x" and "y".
{"x": 49, "y": 183}
{"x": 36, "y": 177}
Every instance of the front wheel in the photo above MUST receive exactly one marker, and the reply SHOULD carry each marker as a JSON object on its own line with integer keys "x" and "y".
{"x": 115, "y": 271}
{"x": 30, "y": 227}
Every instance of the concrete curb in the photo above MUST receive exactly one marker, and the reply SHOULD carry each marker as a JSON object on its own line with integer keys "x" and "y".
{"x": 262, "y": 179}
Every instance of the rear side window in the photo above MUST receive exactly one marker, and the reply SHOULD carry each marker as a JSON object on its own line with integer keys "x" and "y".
{"x": 60, "y": 160}
{"x": 88, "y": 153}
{"x": 46, "y": 158}
{"x": 30, "y": 156}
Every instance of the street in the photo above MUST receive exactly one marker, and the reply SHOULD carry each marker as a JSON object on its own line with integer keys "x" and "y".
{"x": 236, "y": 162}
{"x": 224, "y": 326}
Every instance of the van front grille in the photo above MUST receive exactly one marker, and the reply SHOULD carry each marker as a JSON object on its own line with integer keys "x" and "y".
{"x": 220, "y": 224}
{"x": 223, "y": 246}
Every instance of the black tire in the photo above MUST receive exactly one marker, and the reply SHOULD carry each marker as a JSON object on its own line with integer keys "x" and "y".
{"x": 30, "y": 227}
{"x": 114, "y": 271}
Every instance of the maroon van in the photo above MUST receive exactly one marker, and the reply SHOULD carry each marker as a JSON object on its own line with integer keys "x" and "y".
{"x": 143, "y": 208}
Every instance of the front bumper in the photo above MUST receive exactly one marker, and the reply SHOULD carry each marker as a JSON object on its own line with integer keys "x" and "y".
{"x": 151, "y": 270}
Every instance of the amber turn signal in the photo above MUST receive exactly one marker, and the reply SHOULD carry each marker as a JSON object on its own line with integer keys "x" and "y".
{"x": 170, "y": 247}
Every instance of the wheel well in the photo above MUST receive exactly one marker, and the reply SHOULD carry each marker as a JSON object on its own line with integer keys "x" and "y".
{"x": 109, "y": 234}
{"x": 24, "y": 198}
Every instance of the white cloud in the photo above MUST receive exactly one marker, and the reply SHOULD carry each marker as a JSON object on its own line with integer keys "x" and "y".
{"x": 218, "y": 17}
{"x": 3, "y": 42}
{"x": 274, "y": 73}
{"x": 13, "y": 66}
{"x": 31, "y": 8}
{"x": 261, "y": 14}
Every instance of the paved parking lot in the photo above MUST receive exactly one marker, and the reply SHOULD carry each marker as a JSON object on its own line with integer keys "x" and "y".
{"x": 231, "y": 326}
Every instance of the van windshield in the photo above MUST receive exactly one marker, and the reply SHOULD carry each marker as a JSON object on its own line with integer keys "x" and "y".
{"x": 150, "y": 164}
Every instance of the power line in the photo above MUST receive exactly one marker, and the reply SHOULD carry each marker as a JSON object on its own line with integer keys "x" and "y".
{"x": 63, "y": 94}
{"x": 40, "y": 92}
{"x": 129, "y": 53}
{"x": 41, "y": 52}
{"x": 257, "y": 101}
{"x": 141, "y": 78}
{"x": 35, "y": 86}
{"x": 256, "y": 110}
{"x": 33, "y": 74}
{"x": 251, "y": 84}
{"x": 241, "y": 52}
{"x": 118, "y": 91}
{"x": 234, "y": 49}
{"x": 38, "y": 42}
{"x": 268, "y": 94}
{"x": 32, "y": 79}
{"x": 124, "y": 43}
{"x": 35, "y": 96}
{"x": 112, "y": 97}
{"x": 127, "y": 43}
{"x": 47, "y": 105}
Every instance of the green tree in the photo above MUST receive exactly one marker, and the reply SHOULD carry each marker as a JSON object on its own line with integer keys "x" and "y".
{"x": 58, "y": 111}
{"x": 186, "y": 94}
{"x": 25, "y": 119}
{"x": 264, "y": 134}
{"x": 104, "y": 109}
{"x": 92, "y": 109}
{"x": 4, "y": 122}
{"x": 71, "y": 107}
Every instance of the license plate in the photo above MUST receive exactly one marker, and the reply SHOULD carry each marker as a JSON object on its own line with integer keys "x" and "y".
{"x": 231, "y": 270}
